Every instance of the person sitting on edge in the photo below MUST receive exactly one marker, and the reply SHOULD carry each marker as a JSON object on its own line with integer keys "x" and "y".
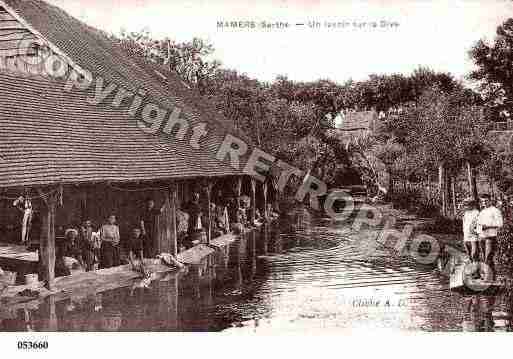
{"x": 182, "y": 229}
{"x": 470, "y": 235}
{"x": 73, "y": 250}
{"x": 109, "y": 234}
{"x": 489, "y": 222}
{"x": 136, "y": 248}
{"x": 221, "y": 219}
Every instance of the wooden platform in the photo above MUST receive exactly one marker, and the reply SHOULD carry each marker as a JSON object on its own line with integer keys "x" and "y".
{"x": 17, "y": 258}
{"x": 82, "y": 285}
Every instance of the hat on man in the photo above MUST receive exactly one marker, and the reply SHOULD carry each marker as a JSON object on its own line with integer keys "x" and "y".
{"x": 469, "y": 201}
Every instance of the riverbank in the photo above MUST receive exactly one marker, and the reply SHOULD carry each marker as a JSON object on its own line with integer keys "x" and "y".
{"x": 452, "y": 258}
{"x": 85, "y": 284}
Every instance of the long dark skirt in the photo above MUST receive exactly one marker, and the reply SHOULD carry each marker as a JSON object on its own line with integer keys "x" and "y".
{"x": 91, "y": 257}
{"x": 109, "y": 255}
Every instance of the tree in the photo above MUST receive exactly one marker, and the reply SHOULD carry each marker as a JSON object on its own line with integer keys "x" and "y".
{"x": 495, "y": 72}
{"x": 190, "y": 60}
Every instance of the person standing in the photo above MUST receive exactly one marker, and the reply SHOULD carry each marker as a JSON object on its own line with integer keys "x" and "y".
{"x": 470, "y": 235}
{"x": 489, "y": 222}
{"x": 148, "y": 223}
{"x": 25, "y": 206}
{"x": 195, "y": 215}
{"x": 91, "y": 246}
{"x": 109, "y": 235}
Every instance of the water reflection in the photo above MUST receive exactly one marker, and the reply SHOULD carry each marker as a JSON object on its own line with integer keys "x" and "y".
{"x": 486, "y": 313}
{"x": 305, "y": 274}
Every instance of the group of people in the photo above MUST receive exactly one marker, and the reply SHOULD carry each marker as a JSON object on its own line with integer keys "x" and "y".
{"x": 88, "y": 248}
{"x": 481, "y": 224}
{"x": 226, "y": 215}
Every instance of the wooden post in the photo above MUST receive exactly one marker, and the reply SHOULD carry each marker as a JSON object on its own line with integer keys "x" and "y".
{"x": 174, "y": 235}
{"x": 208, "y": 188}
{"x": 274, "y": 182}
{"x": 47, "y": 242}
{"x": 238, "y": 190}
{"x": 50, "y": 321}
{"x": 264, "y": 190}
{"x": 253, "y": 200}
{"x": 165, "y": 238}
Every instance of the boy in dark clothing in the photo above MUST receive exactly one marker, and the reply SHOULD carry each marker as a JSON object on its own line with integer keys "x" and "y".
{"x": 136, "y": 250}
{"x": 136, "y": 245}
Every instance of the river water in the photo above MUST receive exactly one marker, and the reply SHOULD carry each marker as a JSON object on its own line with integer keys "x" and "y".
{"x": 306, "y": 274}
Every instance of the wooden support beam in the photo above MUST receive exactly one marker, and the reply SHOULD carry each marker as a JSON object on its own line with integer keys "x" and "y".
{"x": 208, "y": 188}
{"x": 50, "y": 323}
{"x": 47, "y": 242}
{"x": 238, "y": 189}
{"x": 174, "y": 232}
{"x": 253, "y": 200}
{"x": 264, "y": 190}
{"x": 164, "y": 236}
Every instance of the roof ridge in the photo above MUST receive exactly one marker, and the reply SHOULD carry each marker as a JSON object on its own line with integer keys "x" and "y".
{"x": 102, "y": 52}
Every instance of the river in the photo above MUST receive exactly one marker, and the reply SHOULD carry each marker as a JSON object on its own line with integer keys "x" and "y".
{"x": 305, "y": 274}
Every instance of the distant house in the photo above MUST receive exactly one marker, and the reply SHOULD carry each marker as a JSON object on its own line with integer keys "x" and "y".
{"x": 353, "y": 124}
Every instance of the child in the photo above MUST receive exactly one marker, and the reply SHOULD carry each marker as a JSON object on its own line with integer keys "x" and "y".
{"x": 136, "y": 245}
{"x": 470, "y": 235}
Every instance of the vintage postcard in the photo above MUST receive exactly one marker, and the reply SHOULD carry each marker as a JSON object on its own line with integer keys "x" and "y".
{"x": 282, "y": 166}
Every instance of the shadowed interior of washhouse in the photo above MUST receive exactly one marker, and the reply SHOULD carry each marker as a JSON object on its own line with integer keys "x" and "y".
{"x": 127, "y": 201}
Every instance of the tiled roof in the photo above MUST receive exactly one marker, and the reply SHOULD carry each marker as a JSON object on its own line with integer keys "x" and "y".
{"x": 49, "y": 135}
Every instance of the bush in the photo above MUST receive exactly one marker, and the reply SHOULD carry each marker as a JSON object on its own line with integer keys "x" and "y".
{"x": 414, "y": 201}
{"x": 444, "y": 225}
{"x": 505, "y": 245}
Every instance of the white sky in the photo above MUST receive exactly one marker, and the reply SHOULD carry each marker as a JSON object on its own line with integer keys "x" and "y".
{"x": 434, "y": 33}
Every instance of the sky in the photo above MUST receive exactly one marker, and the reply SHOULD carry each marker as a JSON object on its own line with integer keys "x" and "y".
{"x": 436, "y": 34}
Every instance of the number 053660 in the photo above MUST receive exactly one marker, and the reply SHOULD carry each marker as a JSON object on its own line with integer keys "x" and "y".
{"x": 26, "y": 345}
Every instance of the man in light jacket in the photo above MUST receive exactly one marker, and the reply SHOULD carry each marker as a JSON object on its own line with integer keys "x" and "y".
{"x": 489, "y": 222}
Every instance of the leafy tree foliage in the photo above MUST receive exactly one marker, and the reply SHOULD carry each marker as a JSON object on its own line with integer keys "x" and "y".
{"x": 495, "y": 71}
